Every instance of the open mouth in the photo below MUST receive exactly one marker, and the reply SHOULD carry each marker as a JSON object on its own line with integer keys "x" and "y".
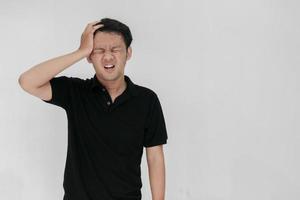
{"x": 109, "y": 67}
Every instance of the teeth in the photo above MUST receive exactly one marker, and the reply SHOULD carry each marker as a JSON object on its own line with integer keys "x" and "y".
{"x": 108, "y": 66}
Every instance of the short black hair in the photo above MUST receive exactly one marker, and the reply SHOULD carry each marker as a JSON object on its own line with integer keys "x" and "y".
{"x": 115, "y": 26}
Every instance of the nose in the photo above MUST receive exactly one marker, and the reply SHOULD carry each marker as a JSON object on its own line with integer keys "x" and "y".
{"x": 107, "y": 56}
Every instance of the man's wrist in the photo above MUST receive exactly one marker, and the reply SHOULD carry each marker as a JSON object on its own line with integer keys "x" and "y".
{"x": 82, "y": 53}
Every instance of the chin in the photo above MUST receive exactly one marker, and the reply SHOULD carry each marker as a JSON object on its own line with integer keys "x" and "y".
{"x": 111, "y": 77}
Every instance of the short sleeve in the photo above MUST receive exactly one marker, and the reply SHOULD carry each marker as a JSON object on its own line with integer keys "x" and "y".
{"x": 155, "y": 132}
{"x": 61, "y": 91}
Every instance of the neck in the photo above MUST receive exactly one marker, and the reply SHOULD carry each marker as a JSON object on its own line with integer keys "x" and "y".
{"x": 114, "y": 87}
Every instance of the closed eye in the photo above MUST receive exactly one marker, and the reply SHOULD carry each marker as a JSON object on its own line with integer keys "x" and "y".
{"x": 98, "y": 51}
{"x": 115, "y": 50}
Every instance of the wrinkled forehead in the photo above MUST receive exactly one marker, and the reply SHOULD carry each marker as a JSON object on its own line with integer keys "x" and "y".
{"x": 108, "y": 39}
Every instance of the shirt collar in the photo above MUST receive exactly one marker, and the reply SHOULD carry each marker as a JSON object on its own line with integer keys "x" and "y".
{"x": 131, "y": 87}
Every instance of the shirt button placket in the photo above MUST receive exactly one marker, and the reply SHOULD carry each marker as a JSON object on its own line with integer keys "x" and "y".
{"x": 108, "y": 102}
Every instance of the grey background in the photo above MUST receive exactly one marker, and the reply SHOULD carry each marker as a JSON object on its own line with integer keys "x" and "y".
{"x": 226, "y": 72}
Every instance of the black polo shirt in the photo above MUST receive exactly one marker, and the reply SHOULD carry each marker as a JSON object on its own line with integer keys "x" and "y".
{"x": 105, "y": 138}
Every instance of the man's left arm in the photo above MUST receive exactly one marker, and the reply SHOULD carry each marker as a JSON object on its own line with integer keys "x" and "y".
{"x": 156, "y": 169}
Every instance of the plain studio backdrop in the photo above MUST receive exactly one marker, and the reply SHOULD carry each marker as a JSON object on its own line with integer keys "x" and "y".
{"x": 226, "y": 72}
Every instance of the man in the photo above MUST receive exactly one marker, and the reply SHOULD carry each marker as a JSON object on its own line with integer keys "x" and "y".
{"x": 110, "y": 119}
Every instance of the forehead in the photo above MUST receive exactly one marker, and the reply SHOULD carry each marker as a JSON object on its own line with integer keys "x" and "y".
{"x": 105, "y": 39}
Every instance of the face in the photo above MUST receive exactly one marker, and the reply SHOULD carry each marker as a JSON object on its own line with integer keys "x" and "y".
{"x": 109, "y": 49}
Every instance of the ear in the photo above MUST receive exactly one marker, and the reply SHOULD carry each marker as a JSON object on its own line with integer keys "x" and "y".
{"x": 129, "y": 53}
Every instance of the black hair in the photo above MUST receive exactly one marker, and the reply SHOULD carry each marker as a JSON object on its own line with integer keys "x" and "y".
{"x": 115, "y": 26}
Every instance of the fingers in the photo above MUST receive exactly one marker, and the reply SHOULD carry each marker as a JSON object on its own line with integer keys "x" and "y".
{"x": 93, "y": 23}
{"x": 97, "y": 26}
{"x": 91, "y": 27}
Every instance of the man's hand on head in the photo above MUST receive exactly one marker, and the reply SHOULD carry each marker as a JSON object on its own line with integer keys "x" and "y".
{"x": 87, "y": 37}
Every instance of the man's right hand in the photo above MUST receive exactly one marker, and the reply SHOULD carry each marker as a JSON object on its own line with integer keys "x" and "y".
{"x": 36, "y": 80}
{"x": 87, "y": 38}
